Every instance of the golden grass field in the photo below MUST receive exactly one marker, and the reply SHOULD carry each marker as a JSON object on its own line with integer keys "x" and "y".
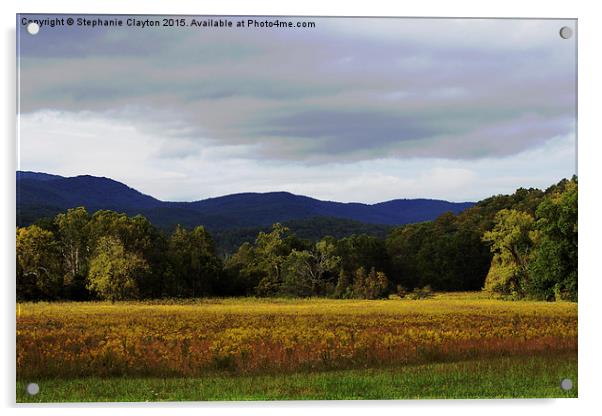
{"x": 248, "y": 336}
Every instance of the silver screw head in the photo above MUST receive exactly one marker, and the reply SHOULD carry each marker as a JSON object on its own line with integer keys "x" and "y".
{"x": 566, "y": 384}
{"x": 33, "y": 389}
{"x": 33, "y": 28}
{"x": 566, "y": 32}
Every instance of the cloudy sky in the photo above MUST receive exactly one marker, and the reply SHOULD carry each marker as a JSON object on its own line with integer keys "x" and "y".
{"x": 356, "y": 109}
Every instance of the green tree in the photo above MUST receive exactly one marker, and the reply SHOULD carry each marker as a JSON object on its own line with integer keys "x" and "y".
{"x": 446, "y": 253}
{"x": 113, "y": 270}
{"x": 553, "y": 269}
{"x": 359, "y": 283}
{"x": 511, "y": 242}
{"x": 372, "y": 285}
{"x": 362, "y": 251}
{"x": 327, "y": 261}
{"x": 75, "y": 249}
{"x": 271, "y": 250}
{"x": 308, "y": 272}
{"x": 378, "y": 285}
{"x": 403, "y": 247}
{"x": 133, "y": 232}
{"x": 38, "y": 264}
{"x": 195, "y": 267}
{"x": 298, "y": 269}
{"x": 343, "y": 289}
{"x": 242, "y": 271}
{"x": 138, "y": 236}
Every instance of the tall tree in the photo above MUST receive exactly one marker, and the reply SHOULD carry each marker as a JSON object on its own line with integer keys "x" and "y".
{"x": 271, "y": 250}
{"x": 138, "y": 236}
{"x": 553, "y": 269}
{"x": 195, "y": 266}
{"x": 113, "y": 270}
{"x": 372, "y": 285}
{"x": 310, "y": 272}
{"x": 362, "y": 251}
{"x": 75, "y": 248}
{"x": 241, "y": 271}
{"x": 38, "y": 264}
{"x": 343, "y": 289}
{"x": 511, "y": 242}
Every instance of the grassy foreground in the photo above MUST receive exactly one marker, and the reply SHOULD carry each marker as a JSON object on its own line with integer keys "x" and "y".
{"x": 460, "y": 345}
{"x": 510, "y": 377}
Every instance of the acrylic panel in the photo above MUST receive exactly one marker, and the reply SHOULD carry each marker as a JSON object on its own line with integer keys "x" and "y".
{"x": 225, "y": 208}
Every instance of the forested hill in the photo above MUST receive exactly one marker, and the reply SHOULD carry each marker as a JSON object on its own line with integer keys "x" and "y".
{"x": 40, "y": 195}
{"x": 519, "y": 245}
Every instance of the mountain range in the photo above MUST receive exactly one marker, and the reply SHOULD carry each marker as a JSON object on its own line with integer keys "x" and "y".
{"x": 41, "y": 195}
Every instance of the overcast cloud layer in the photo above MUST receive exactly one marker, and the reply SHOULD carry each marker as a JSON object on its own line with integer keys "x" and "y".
{"x": 355, "y": 109}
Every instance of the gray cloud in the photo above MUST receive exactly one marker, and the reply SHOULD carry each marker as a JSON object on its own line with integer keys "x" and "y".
{"x": 330, "y": 133}
{"x": 351, "y": 89}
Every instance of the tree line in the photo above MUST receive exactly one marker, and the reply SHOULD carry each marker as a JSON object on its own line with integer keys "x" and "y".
{"x": 519, "y": 245}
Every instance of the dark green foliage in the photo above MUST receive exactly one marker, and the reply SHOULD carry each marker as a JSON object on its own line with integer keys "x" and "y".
{"x": 241, "y": 271}
{"x": 139, "y": 237}
{"x": 362, "y": 251}
{"x": 38, "y": 264}
{"x": 553, "y": 268}
{"x": 113, "y": 256}
{"x": 482, "y": 215}
{"x": 449, "y": 253}
{"x": 271, "y": 250}
{"x": 524, "y": 244}
{"x": 343, "y": 289}
{"x": 310, "y": 229}
{"x": 72, "y": 228}
{"x": 310, "y": 272}
{"x": 281, "y": 264}
{"x": 537, "y": 257}
{"x": 446, "y": 253}
{"x": 261, "y": 267}
{"x": 193, "y": 267}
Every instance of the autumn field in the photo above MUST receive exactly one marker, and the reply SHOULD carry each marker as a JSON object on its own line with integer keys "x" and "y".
{"x": 451, "y": 345}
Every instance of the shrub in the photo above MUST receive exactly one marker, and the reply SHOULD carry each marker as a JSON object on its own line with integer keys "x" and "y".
{"x": 424, "y": 293}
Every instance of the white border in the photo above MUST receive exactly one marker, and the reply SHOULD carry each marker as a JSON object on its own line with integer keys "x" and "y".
{"x": 590, "y": 68}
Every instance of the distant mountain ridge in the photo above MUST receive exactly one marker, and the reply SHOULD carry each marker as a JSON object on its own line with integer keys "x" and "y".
{"x": 44, "y": 195}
